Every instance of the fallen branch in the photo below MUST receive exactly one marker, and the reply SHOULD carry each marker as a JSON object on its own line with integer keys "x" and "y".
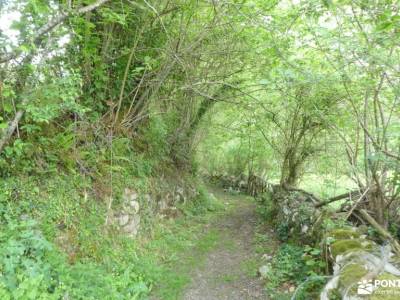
{"x": 381, "y": 231}
{"x": 12, "y": 126}
{"x": 313, "y": 198}
{"x": 338, "y": 197}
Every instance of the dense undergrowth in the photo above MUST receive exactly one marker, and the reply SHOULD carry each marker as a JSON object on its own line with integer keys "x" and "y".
{"x": 295, "y": 269}
{"x": 302, "y": 264}
{"x": 34, "y": 267}
{"x": 54, "y": 244}
{"x": 299, "y": 268}
{"x": 54, "y": 238}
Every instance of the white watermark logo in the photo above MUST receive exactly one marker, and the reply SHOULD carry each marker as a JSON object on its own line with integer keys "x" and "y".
{"x": 367, "y": 287}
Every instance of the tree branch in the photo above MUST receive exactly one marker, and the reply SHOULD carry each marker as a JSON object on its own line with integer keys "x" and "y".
{"x": 37, "y": 40}
{"x": 338, "y": 197}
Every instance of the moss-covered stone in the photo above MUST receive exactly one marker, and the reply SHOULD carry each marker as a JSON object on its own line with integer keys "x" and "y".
{"x": 344, "y": 246}
{"x": 351, "y": 274}
{"x": 344, "y": 234}
{"x": 334, "y": 295}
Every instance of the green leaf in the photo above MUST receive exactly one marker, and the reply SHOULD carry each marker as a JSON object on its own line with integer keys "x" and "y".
{"x": 310, "y": 262}
{"x": 315, "y": 252}
{"x": 384, "y": 26}
{"x": 24, "y": 48}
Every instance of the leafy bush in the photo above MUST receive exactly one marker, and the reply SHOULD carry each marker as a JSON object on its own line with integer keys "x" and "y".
{"x": 32, "y": 268}
{"x": 287, "y": 265}
{"x": 27, "y": 263}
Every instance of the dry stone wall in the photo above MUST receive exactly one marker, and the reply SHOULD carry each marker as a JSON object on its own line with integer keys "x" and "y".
{"x": 161, "y": 201}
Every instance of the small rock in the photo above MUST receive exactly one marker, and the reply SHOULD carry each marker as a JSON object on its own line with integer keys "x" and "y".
{"x": 133, "y": 227}
{"x": 292, "y": 289}
{"x": 123, "y": 220}
{"x": 148, "y": 198}
{"x": 263, "y": 271}
{"x": 266, "y": 256}
{"x": 304, "y": 228}
{"x": 162, "y": 205}
{"x": 135, "y": 206}
{"x": 130, "y": 195}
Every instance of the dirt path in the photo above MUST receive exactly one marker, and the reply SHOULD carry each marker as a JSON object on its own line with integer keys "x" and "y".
{"x": 230, "y": 270}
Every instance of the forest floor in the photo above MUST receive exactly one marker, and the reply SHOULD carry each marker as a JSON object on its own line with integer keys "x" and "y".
{"x": 229, "y": 269}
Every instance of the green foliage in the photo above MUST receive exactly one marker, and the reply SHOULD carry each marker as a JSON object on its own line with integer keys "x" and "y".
{"x": 287, "y": 265}
{"x": 55, "y": 98}
{"x": 298, "y": 266}
{"x": 27, "y": 263}
{"x": 32, "y": 267}
{"x": 155, "y": 136}
{"x": 203, "y": 203}
{"x": 329, "y": 224}
{"x": 266, "y": 207}
{"x": 132, "y": 90}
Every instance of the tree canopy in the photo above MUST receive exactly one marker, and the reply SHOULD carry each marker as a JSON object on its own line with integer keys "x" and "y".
{"x": 294, "y": 92}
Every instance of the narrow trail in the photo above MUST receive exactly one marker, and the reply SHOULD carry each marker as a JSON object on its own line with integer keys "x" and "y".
{"x": 230, "y": 269}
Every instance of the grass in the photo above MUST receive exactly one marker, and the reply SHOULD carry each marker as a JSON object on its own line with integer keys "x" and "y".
{"x": 181, "y": 245}
{"x": 93, "y": 260}
{"x": 174, "y": 272}
{"x": 250, "y": 266}
{"x": 228, "y": 278}
{"x": 177, "y": 247}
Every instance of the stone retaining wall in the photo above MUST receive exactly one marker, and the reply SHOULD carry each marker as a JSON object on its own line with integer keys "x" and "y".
{"x": 165, "y": 195}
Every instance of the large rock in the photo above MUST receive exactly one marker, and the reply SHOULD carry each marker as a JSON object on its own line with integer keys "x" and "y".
{"x": 293, "y": 215}
{"x": 361, "y": 268}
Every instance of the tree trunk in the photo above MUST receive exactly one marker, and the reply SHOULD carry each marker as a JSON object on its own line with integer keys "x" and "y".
{"x": 377, "y": 205}
{"x": 290, "y": 170}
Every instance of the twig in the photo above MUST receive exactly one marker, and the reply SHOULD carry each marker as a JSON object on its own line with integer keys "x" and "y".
{"x": 356, "y": 203}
